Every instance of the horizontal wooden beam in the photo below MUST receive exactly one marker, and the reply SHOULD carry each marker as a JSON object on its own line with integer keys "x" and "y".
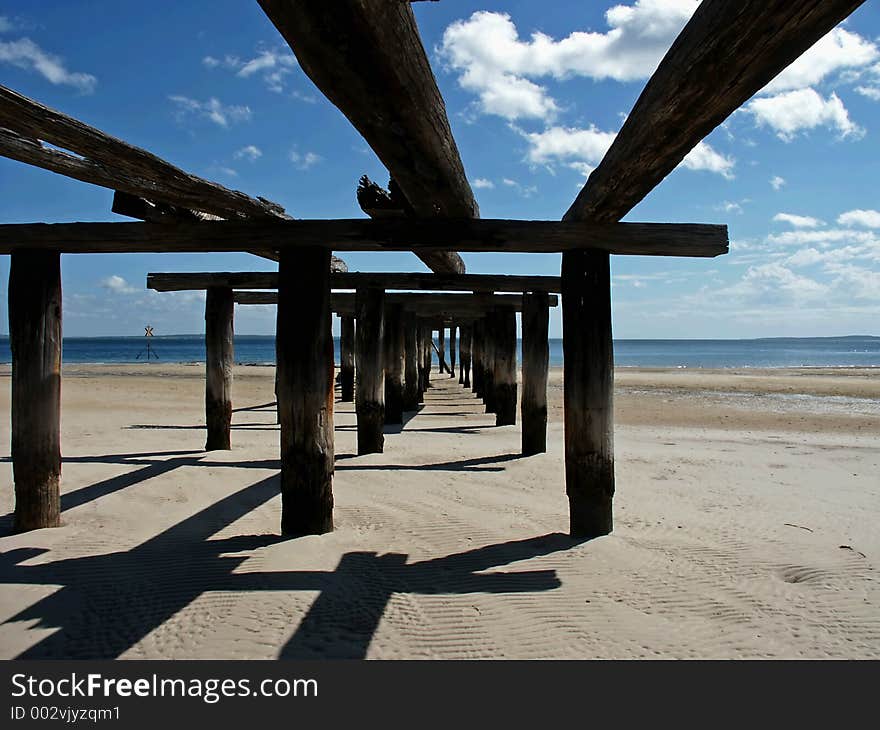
{"x": 107, "y": 161}
{"x": 727, "y": 52}
{"x": 645, "y": 239}
{"x": 352, "y": 280}
{"x": 421, "y": 303}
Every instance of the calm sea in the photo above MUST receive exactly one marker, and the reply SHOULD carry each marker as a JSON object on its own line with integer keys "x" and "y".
{"x": 760, "y": 353}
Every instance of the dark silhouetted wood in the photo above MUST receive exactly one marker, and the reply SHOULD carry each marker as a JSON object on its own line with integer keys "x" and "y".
{"x": 346, "y": 356}
{"x": 35, "y": 341}
{"x": 490, "y": 332}
{"x": 464, "y": 367}
{"x": 442, "y": 367}
{"x": 411, "y": 362}
{"x": 387, "y": 234}
{"x": 421, "y": 344}
{"x": 104, "y": 160}
{"x": 504, "y": 380}
{"x": 477, "y": 340}
{"x": 535, "y": 366}
{"x": 589, "y": 383}
{"x": 352, "y": 280}
{"x": 726, "y": 53}
{"x": 219, "y": 358}
{"x": 393, "y": 344}
{"x": 452, "y": 346}
{"x": 304, "y": 343}
{"x": 368, "y": 59}
{"x": 427, "y": 355}
{"x": 370, "y": 395}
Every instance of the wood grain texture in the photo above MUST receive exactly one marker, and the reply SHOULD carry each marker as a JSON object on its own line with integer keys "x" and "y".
{"x": 370, "y": 387}
{"x": 367, "y": 58}
{"x": 643, "y": 239}
{"x": 304, "y": 345}
{"x": 346, "y": 356}
{"x": 464, "y": 366}
{"x": 535, "y": 367}
{"x": 504, "y": 377}
{"x": 411, "y": 362}
{"x": 393, "y": 345}
{"x": 219, "y": 359}
{"x": 35, "y": 342}
{"x": 588, "y": 357}
{"x": 192, "y": 281}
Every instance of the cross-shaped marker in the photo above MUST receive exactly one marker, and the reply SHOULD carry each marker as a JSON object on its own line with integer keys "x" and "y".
{"x": 149, "y": 331}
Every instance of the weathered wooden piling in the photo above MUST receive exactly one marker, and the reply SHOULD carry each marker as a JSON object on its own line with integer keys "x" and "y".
{"x": 441, "y": 349}
{"x": 477, "y": 355}
{"x": 370, "y": 397}
{"x": 346, "y": 359}
{"x": 490, "y": 333}
{"x": 304, "y": 351}
{"x": 410, "y": 362}
{"x": 427, "y": 354}
{"x": 452, "y": 345}
{"x": 393, "y": 346}
{"x": 589, "y": 380}
{"x": 420, "y": 357}
{"x": 35, "y": 341}
{"x": 219, "y": 358}
{"x": 464, "y": 367}
{"x": 535, "y": 364}
{"x": 504, "y": 375}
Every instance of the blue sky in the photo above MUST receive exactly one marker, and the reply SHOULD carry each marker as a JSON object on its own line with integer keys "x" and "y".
{"x": 535, "y": 93}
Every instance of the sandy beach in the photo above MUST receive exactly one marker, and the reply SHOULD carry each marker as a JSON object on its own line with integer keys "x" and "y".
{"x": 745, "y": 526}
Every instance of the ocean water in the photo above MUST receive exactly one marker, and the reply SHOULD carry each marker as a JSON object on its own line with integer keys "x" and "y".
{"x": 759, "y": 353}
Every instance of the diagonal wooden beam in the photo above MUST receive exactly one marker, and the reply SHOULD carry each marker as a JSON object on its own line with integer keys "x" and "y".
{"x": 367, "y": 58}
{"x": 107, "y": 161}
{"x": 726, "y": 53}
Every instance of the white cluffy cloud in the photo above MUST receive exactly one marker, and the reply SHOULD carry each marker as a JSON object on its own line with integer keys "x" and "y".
{"x": 493, "y": 62}
{"x": 794, "y": 111}
{"x": 272, "y": 64}
{"x": 117, "y": 285}
{"x": 212, "y": 109}
{"x": 304, "y": 160}
{"x": 24, "y": 53}
{"x": 858, "y": 217}
{"x": 249, "y": 152}
{"x": 481, "y": 183}
{"x": 777, "y": 182}
{"x": 798, "y": 221}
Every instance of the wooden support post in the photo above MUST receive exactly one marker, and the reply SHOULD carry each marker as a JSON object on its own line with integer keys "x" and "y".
{"x": 460, "y": 352}
{"x": 464, "y": 367}
{"x": 477, "y": 350}
{"x": 489, "y": 335}
{"x": 588, "y": 382}
{"x": 441, "y": 348}
{"x": 393, "y": 346}
{"x": 428, "y": 353}
{"x": 370, "y": 398}
{"x": 452, "y": 338}
{"x": 411, "y": 362}
{"x": 346, "y": 359}
{"x": 219, "y": 354}
{"x": 420, "y": 356}
{"x": 304, "y": 344}
{"x": 535, "y": 364}
{"x": 504, "y": 379}
{"x": 35, "y": 341}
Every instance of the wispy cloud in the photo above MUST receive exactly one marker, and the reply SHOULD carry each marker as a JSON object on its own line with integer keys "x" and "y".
{"x": 798, "y": 221}
{"x": 777, "y": 183}
{"x": 212, "y": 109}
{"x": 118, "y": 285}
{"x": 304, "y": 160}
{"x": 272, "y": 64}
{"x": 482, "y": 183}
{"x": 858, "y": 217}
{"x": 249, "y": 152}
{"x": 24, "y": 53}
